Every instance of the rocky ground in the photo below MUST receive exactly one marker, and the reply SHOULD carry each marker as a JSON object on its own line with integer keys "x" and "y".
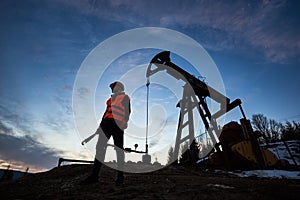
{"x": 173, "y": 182}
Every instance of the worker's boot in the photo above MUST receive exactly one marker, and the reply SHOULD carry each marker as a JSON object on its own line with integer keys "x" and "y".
{"x": 93, "y": 178}
{"x": 120, "y": 178}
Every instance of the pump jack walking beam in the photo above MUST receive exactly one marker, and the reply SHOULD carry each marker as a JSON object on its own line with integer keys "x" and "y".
{"x": 162, "y": 62}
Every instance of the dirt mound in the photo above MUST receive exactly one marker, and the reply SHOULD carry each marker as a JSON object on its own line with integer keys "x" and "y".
{"x": 173, "y": 182}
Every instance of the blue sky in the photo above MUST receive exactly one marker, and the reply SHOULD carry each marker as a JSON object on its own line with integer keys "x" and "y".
{"x": 255, "y": 45}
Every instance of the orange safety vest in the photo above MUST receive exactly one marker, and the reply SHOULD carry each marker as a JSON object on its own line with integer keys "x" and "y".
{"x": 115, "y": 109}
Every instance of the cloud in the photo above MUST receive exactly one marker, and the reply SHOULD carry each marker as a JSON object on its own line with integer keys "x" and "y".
{"x": 259, "y": 26}
{"x": 8, "y": 116}
{"x": 4, "y": 129}
{"x": 26, "y": 150}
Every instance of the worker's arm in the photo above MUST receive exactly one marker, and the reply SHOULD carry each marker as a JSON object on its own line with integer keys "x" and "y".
{"x": 127, "y": 106}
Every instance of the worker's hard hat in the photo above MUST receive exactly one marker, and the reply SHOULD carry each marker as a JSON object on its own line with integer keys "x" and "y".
{"x": 117, "y": 84}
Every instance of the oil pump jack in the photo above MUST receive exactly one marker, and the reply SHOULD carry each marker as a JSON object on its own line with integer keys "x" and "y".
{"x": 195, "y": 93}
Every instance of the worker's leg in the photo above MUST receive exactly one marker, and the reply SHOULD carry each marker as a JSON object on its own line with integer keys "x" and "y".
{"x": 118, "y": 136}
{"x": 99, "y": 158}
{"x": 101, "y": 146}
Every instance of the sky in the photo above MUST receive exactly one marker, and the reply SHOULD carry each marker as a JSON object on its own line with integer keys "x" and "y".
{"x": 254, "y": 44}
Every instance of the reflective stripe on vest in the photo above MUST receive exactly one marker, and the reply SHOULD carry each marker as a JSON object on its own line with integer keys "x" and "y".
{"x": 115, "y": 109}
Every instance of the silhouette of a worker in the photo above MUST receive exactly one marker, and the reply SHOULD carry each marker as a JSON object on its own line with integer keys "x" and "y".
{"x": 113, "y": 123}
